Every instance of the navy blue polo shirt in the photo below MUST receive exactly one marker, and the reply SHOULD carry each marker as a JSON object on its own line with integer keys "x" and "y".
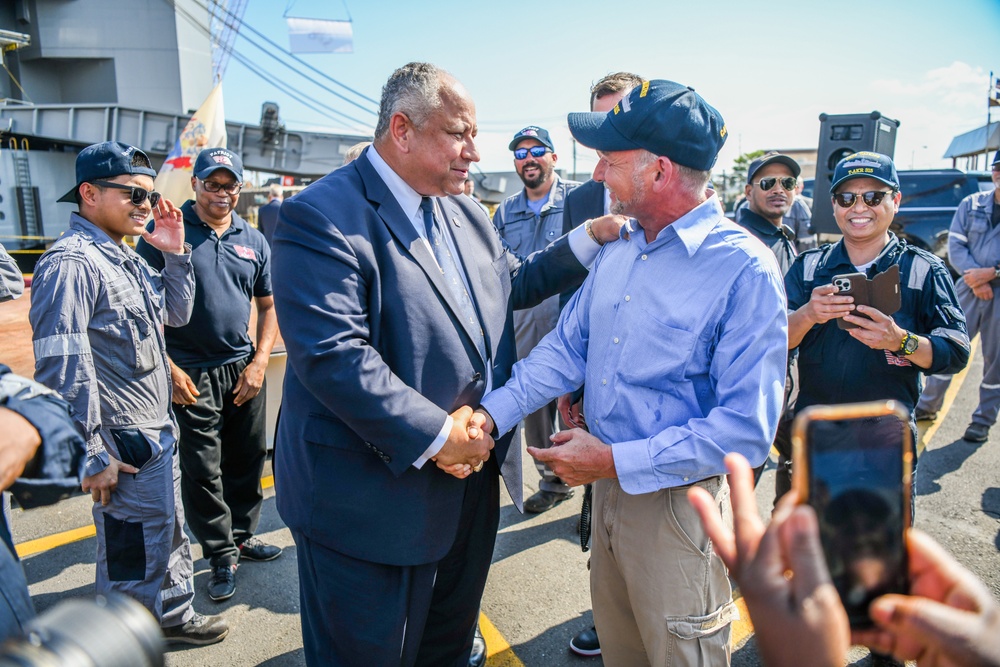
{"x": 835, "y": 368}
{"x": 229, "y": 272}
{"x": 778, "y": 239}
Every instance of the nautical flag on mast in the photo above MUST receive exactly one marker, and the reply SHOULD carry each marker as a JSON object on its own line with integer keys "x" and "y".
{"x": 320, "y": 35}
{"x": 995, "y": 92}
{"x": 206, "y": 129}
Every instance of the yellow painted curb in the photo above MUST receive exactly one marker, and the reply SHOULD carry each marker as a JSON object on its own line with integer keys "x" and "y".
{"x": 498, "y": 651}
{"x": 925, "y": 433}
{"x": 32, "y": 547}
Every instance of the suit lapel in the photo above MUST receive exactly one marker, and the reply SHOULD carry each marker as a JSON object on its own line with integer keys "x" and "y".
{"x": 402, "y": 229}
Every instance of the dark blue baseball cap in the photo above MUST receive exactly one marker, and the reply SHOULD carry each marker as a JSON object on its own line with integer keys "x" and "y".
{"x": 99, "y": 162}
{"x": 532, "y": 132}
{"x": 996, "y": 159}
{"x": 212, "y": 159}
{"x": 772, "y": 157}
{"x": 662, "y": 117}
{"x": 865, "y": 164}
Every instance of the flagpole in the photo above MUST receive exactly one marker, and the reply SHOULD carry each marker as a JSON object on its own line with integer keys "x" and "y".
{"x": 989, "y": 109}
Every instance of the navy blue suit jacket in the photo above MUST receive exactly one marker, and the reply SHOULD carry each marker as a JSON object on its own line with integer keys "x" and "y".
{"x": 584, "y": 203}
{"x": 267, "y": 218}
{"x": 378, "y": 356}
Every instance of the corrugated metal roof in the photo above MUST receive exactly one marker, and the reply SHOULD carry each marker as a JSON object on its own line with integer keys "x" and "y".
{"x": 975, "y": 142}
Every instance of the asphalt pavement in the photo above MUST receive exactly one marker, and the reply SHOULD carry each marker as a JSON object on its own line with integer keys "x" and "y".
{"x": 537, "y": 596}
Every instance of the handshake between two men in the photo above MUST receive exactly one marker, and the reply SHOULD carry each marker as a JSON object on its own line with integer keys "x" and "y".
{"x": 576, "y": 457}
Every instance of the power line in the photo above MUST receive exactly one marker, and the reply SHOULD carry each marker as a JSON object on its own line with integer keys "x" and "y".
{"x": 274, "y": 81}
{"x": 238, "y": 24}
{"x": 298, "y": 96}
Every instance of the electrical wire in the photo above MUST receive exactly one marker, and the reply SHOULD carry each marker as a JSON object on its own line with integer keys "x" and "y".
{"x": 238, "y": 24}
{"x": 281, "y": 85}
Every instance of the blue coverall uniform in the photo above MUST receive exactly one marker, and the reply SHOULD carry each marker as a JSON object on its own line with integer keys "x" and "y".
{"x": 97, "y": 315}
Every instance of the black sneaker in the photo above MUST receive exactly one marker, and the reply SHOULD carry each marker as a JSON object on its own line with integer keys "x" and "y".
{"x": 201, "y": 630}
{"x": 586, "y": 643}
{"x": 254, "y": 549}
{"x": 924, "y": 415}
{"x": 543, "y": 501}
{"x": 977, "y": 432}
{"x": 223, "y": 583}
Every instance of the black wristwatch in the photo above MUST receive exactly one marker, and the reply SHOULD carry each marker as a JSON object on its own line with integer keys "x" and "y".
{"x": 909, "y": 344}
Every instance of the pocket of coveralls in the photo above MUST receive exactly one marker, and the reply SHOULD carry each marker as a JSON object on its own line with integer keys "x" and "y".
{"x": 133, "y": 355}
{"x": 133, "y": 448}
{"x": 126, "y": 549}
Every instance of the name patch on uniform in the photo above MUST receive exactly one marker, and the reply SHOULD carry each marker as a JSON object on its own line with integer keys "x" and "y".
{"x": 245, "y": 252}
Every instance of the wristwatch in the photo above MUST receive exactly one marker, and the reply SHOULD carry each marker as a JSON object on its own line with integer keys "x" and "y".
{"x": 588, "y": 226}
{"x": 996, "y": 271}
{"x": 909, "y": 344}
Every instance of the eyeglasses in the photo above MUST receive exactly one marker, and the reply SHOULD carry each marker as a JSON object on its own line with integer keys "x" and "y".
{"x": 536, "y": 151}
{"x": 138, "y": 195}
{"x": 787, "y": 183}
{"x": 871, "y": 199}
{"x": 215, "y": 186}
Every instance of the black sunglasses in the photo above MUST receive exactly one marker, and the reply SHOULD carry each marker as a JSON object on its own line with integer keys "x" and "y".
{"x": 536, "y": 151}
{"x": 787, "y": 183}
{"x": 138, "y": 194}
{"x": 871, "y": 199}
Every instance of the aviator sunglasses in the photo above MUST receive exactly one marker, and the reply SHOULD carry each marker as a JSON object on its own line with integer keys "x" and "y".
{"x": 536, "y": 151}
{"x": 871, "y": 199}
{"x": 138, "y": 195}
{"x": 788, "y": 183}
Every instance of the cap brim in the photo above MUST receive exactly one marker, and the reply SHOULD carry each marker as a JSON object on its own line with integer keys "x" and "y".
{"x": 521, "y": 137}
{"x": 594, "y": 130}
{"x": 833, "y": 186}
{"x": 205, "y": 173}
{"x": 778, "y": 159}
{"x": 70, "y": 197}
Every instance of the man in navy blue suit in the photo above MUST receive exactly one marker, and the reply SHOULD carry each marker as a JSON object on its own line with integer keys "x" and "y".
{"x": 395, "y": 298}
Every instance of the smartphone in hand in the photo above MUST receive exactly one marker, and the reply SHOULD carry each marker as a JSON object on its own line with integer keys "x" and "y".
{"x": 881, "y": 292}
{"x": 852, "y": 463}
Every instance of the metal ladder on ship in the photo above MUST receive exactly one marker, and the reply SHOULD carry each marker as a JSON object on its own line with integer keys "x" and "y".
{"x": 25, "y": 193}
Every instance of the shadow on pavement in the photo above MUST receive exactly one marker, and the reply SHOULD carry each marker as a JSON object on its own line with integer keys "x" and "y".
{"x": 512, "y": 542}
{"x": 537, "y": 650}
{"x": 934, "y": 464}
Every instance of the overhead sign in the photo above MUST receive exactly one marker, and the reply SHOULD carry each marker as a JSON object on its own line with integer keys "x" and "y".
{"x": 320, "y": 36}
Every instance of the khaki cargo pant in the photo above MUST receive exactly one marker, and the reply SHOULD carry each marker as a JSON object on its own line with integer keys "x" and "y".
{"x": 661, "y": 595}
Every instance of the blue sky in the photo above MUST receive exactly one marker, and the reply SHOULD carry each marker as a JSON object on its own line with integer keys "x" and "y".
{"x": 769, "y": 67}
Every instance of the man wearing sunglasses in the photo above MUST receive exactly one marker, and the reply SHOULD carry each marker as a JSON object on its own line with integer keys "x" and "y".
{"x": 97, "y": 316}
{"x": 974, "y": 249}
{"x": 218, "y": 372}
{"x": 529, "y": 221}
{"x": 770, "y": 191}
{"x": 770, "y": 194}
{"x": 883, "y": 357}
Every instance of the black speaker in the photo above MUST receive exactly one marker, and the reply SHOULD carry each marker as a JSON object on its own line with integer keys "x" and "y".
{"x": 839, "y": 136}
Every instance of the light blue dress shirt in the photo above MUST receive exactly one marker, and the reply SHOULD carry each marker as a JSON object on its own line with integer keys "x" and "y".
{"x": 682, "y": 343}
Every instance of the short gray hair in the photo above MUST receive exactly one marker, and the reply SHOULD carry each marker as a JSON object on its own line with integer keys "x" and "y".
{"x": 695, "y": 180}
{"x": 413, "y": 90}
{"x": 275, "y": 190}
{"x": 692, "y": 180}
